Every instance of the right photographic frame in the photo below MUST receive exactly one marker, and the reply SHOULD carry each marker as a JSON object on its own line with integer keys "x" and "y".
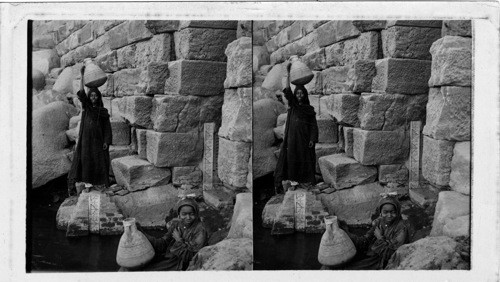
{"x": 362, "y": 143}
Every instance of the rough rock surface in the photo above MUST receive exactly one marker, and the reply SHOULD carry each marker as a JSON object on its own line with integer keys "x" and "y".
{"x": 460, "y": 168}
{"x": 457, "y": 28}
{"x": 344, "y": 172}
{"x": 229, "y": 254}
{"x": 191, "y": 175}
{"x": 430, "y": 253}
{"x": 409, "y": 42}
{"x": 134, "y": 173}
{"x": 173, "y": 149}
{"x": 136, "y": 109}
{"x": 451, "y": 62}
{"x": 450, "y": 206}
{"x": 49, "y": 142}
{"x": 241, "y": 222}
{"x": 239, "y": 63}
{"x": 233, "y": 162}
{"x": 380, "y": 147}
{"x": 64, "y": 82}
{"x": 188, "y": 77}
{"x": 45, "y": 60}
{"x": 237, "y": 115}
{"x": 402, "y": 76}
{"x": 202, "y": 43}
{"x": 395, "y": 173}
{"x": 271, "y": 209}
{"x": 436, "y": 160}
{"x": 325, "y": 149}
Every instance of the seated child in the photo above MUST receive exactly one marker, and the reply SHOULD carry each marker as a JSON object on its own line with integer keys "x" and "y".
{"x": 388, "y": 232}
{"x": 185, "y": 236}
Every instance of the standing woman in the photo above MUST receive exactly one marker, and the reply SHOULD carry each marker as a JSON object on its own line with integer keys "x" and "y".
{"x": 91, "y": 157}
{"x": 297, "y": 159}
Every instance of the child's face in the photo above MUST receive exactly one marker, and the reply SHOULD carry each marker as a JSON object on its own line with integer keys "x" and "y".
{"x": 388, "y": 213}
{"x": 300, "y": 95}
{"x": 93, "y": 98}
{"x": 187, "y": 215}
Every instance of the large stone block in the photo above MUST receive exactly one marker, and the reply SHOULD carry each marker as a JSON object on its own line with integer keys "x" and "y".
{"x": 271, "y": 209}
{"x": 344, "y": 172}
{"x": 265, "y": 113}
{"x": 315, "y": 60}
{"x": 419, "y": 23}
{"x": 174, "y": 113}
{"x": 162, "y": 26}
{"x": 241, "y": 222}
{"x": 134, "y": 173}
{"x": 173, "y": 149}
{"x": 100, "y": 27}
{"x": 380, "y": 147}
{"x": 315, "y": 86}
{"x": 152, "y": 79}
{"x": 45, "y": 60}
{"x": 233, "y": 162}
{"x": 264, "y": 161}
{"x": 158, "y": 49}
{"x": 137, "y": 110}
{"x": 355, "y": 205}
{"x": 239, "y": 63}
{"x": 244, "y": 29}
{"x": 334, "y": 80}
{"x": 120, "y": 131}
{"x": 116, "y": 152}
{"x": 450, "y": 205}
{"x": 449, "y": 113}
{"x": 108, "y": 62}
{"x": 202, "y": 43}
{"x": 198, "y": 78}
{"x": 237, "y": 115}
{"x": 327, "y": 129}
{"x": 360, "y": 76}
{"x": 364, "y": 47}
{"x": 127, "y": 33}
{"x": 436, "y": 160}
{"x": 229, "y": 254}
{"x": 126, "y": 82}
{"x": 390, "y": 111}
{"x": 209, "y": 24}
{"x": 126, "y": 57}
{"x": 402, "y": 76}
{"x": 335, "y": 31}
{"x": 457, "y": 227}
{"x": 344, "y": 108}
{"x": 64, "y": 82}
{"x": 348, "y": 141}
{"x": 396, "y": 173}
{"x": 326, "y": 149}
{"x": 457, "y": 28}
{"x": 191, "y": 175}
{"x": 451, "y": 61}
{"x": 260, "y": 57}
{"x": 460, "y": 168}
{"x": 409, "y": 42}
{"x": 369, "y": 25}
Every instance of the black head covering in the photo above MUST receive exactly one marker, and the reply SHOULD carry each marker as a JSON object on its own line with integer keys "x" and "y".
{"x": 306, "y": 94}
{"x": 99, "y": 96}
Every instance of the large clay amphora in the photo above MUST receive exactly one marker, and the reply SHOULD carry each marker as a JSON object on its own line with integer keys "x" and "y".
{"x": 94, "y": 76}
{"x": 336, "y": 247}
{"x": 134, "y": 249}
{"x": 300, "y": 74}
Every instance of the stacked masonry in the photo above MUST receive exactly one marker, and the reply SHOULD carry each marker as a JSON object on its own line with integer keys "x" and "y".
{"x": 370, "y": 82}
{"x": 447, "y": 133}
{"x": 165, "y": 80}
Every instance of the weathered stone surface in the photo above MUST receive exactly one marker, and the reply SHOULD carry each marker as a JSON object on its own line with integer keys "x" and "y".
{"x": 127, "y": 33}
{"x": 335, "y": 31}
{"x": 424, "y": 197}
{"x": 284, "y": 222}
{"x": 191, "y": 175}
{"x": 242, "y": 221}
{"x": 149, "y": 207}
{"x": 315, "y": 60}
{"x": 450, "y": 206}
{"x": 344, "y": 172}
{"x": 100, "y": 27}
{"x": 120, "y": 131}
{"x": 46, "y": 97}
{"x": 45, "y": 60}
{"x": 173, "y": 149}
{"x": 457, "y": 227}
{"x": 409, "y": 42}
{"x": 457, "y": 28}
{"x": 108, "y": 62}
{"x": 360, "y": 76}
{"x": 202, "y": 43}
{"x": 209, "y": 24}
{"x": 116, "y": 152}
{"x": 430, "y": 253}
{"x": 449, "y": 113}
{"x": 420, "y": 23}
{"x": 134, "y": 173}
{"x": 265, "y": 159}
{"x": 390, "y": 111}
{"x": 396, "y": 173}
{"x": 229, "y": 254}
{"x": 265, "y": 112}
{"x": 64, "y": 82}
{"x": 141, "y": 143}
{"x": 355, "y": 205}
{"x": 126, "y": 57}
{"x": 325, "y": 149}
{"x": 78, "y": 224}
{"x": 369, "y": 25}
{"x": 239, "y": 63}
{"x": 219, "y": 198}
{"x": 237, "y": 115}
{"x": 233, "y": 162}
{"x": 65, "y": 211}
{"x": 402, "y": 76}
{"x": 380, "y": 147}
{"x": 344, "y": 108}
{"x": 244, "y": 29}
{"x": 460, "y": 168}
{"x": 436, "y": 160}
{"x": 152, "y": 79}
{"x": 175, "y": 113}
{"x": 49, "y": 142}
{"x": 451, "y": 61}
{"x": 334, "y": 80}
{"x": 271, "y": 209}
{"x": 162, "y": 26}
{"x": 260, "y": 57}
{"x": 365, "y": 47}
{"x": 137, "y": 110}
{"x": 273, "y": 80}
{"x": 349, "y": 141}
{"x": 188, "y": 77}
{"x": 43, "y": 41}
{"x": 327, "y": 129}
{"x": 126, "y": 82}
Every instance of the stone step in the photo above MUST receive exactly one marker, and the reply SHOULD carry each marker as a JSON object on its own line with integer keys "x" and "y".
{"x": 134, "y": 173}
{"x": 219, "y": 198}
{"x": 344, "y": 172}
{"x": 424, "y": 197}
